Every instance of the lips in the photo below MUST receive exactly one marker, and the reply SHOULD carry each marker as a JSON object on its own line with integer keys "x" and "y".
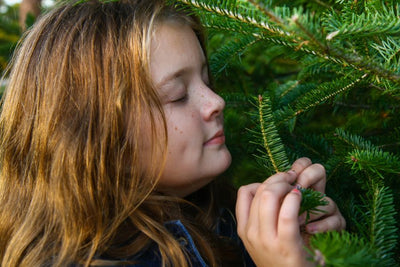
{"x": 217, "y": 139}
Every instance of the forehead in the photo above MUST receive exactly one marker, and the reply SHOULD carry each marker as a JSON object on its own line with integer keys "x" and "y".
{"x": 174, "y": 47}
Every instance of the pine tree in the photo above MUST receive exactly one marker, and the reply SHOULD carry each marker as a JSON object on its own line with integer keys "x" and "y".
{"x": 328, "y": 77}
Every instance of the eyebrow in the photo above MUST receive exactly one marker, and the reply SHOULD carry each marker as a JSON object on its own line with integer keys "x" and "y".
{"x": 177, "y": 74}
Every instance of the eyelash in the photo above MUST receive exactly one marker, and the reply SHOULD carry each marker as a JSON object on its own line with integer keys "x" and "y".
{"x": 181, "y": 99}
{"x": 184, "y": 98}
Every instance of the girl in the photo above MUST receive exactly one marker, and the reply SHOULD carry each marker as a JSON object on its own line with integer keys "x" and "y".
{"x": 111, "y": 139}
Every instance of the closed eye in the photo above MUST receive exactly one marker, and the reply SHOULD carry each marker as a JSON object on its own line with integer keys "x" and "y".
{"x": 181, "y": 99}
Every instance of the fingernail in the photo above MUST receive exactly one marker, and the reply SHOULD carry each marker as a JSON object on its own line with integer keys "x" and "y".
{"x": 292, "y": 172}
{"x": 295, "y": 190}
{"x": 298, "y": 186}
{"x": 311, "y": 229}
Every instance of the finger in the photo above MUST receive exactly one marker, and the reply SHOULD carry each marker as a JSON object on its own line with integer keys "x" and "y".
{"x": 288, "y": 225}
{"x": 300, "y": 164}
{"x": 324, "y": 211}
{"x": 244, "y": 201}
{"x": 270, "y": 204}
{"x": 288, "y": 177}
{"x": 331, "y": 223}
{"x": 314, "y": 176}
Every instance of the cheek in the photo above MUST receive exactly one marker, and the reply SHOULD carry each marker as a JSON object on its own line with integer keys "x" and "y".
{"x": 177, "y": 130}
{"x": 176, "y": 140}
{"x": 184, "y": 132}
{"x": 183, "y": 129}
{"x": 181, "y": 140}
{"x": 180, "y": 125}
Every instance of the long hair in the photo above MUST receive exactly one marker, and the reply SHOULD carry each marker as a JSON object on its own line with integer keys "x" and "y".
{"x": 73, "y": 186}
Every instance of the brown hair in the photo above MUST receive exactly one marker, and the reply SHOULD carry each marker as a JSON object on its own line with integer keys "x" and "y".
{"x": 72, "y": 186}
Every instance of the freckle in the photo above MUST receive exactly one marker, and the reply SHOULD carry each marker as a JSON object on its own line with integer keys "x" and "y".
{"x": 176, "y": 128}
{"x": 181, "y": 132}
{"x": 202, "y": 95}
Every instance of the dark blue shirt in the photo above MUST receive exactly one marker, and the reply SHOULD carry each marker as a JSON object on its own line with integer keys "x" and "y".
{"x": 226, "y": 227}
{"x": 151, "y": 257}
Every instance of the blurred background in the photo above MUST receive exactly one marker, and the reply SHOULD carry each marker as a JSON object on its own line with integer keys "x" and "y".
{"x": 15, "y": 17}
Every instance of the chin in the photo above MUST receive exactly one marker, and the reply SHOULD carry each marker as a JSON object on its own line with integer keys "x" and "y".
{"x": 224, "y": 161}
{"x": 228, "y": 160}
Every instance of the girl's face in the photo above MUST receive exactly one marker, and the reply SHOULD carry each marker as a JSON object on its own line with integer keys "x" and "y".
{"x": 196, "y": 142}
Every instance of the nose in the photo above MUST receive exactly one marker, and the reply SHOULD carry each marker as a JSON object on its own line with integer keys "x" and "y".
{"x": 213, "y": 105}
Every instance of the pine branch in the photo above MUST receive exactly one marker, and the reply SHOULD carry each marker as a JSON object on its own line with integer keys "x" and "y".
{"x": 265, "y": 11}
{"x": 374, "y": 160}
{"x": 235, "y": 99}
{"x": 389, "y": 50}
{"x": 286, "y": 35}
{"x": 380, "y": 218}
{"x": 365, "y": 156}
{"x": 274, "y": 152}
{"x": 270, "y": 138}
{"x": 220, "y": 59}
{"x": 310, "y": 201}
{"x": 341, "y": 249}
{"x": 313, "y": 144}
{"x": 229, "y": 8}
{"x": 309, "y": 34}
{"x": 358, "y": 26}
{"x": 354, "y": 45}
{"x": 316, "y": 97}
{"x": 354, "y": 141}
{"x": 287, "y": 88}
{"x": 338, "y": 55}
{"x": 380, "y": 210}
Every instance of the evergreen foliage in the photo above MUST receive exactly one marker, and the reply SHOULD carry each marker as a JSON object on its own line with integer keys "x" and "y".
{"x": 329, "y": 76}
{"x": 272, "y": 154}
{"x": 9, "y": 33}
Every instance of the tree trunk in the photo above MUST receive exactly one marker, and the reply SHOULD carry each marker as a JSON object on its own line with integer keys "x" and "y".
{"x": 28, "y": 7}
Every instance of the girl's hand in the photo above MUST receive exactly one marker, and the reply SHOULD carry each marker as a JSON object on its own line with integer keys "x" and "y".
{"x": 268, "y": 222}
{"x": 313, "y": 176}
